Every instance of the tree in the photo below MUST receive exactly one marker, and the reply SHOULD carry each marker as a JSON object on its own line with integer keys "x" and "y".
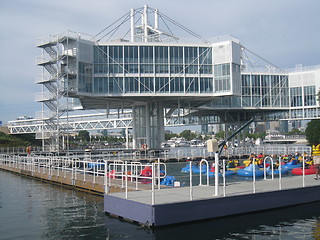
{"x": 313, "y": 132}
{"x": 84, "y": 135}
{"x": 295, "y": 131}
{"x": 188, "y": 135}
{"x": 168, "y": 136}
{"x": 219, "y": 135}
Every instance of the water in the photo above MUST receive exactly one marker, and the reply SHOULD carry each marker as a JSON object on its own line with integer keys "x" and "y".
{"x": 31, "y": 209}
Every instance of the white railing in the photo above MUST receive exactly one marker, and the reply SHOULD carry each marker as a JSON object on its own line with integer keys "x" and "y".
{"x": 44, "y": 96}
{"x": 122, "y": 173}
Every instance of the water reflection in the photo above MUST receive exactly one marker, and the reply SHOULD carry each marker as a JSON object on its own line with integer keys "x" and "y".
{"x": 31, "y": 209}
{"x": 75, "y": 215}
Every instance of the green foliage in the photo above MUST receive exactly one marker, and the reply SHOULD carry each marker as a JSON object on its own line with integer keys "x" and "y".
{"x": 84, "y": 135}
{"x": 188, "y": 135}
{"x": 220, "y": 135}
{"x": 313, "y": 132}
{"x": 168, "y": 136}
{"x": 295, "y": 131}
{"x": 22, "y": 140}
{"x": 255, "y": 136}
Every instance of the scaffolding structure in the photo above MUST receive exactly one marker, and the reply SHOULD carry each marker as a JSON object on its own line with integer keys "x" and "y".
{"x": 58, "y": 81}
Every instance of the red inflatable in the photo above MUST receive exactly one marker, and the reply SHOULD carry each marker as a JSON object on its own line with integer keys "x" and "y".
{"x": 146, "y": 172}
{"x": 307, "y": 171}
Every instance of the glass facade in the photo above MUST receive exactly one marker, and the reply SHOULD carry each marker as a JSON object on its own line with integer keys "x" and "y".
{"x": 222, "y": 78}
{"x": 296, "y": 96}
{"x": 85, "y": 77}
{"x": 264, "y": 90}
{"x": 135, "y": 69}
{"x": 154, "y": 69}
{"x": 309, "y": 95}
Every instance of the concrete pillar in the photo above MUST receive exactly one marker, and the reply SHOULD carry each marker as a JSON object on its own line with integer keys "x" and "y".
{"x": 148, "y": 125}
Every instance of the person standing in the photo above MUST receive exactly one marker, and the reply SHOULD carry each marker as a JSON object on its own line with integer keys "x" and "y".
{"x": 28, "y": 150}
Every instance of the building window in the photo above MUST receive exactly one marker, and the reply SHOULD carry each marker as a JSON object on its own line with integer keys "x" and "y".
{"x": 309, "y": 95}
{"x": 222, "y": 78}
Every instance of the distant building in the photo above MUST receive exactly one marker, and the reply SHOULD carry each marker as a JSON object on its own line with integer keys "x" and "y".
{"x": 4, "y": 129}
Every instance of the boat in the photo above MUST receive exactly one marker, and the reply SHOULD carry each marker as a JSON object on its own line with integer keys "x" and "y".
{"x": 168, "y": 181}
{"x": 307, "y": 171}
{"x": 277, "y": 171}
{"x": 195, "y": 169}
{"x": 248, "y": 171}
{"x": 291, "y": 165}
{"x": 227, "y": 173}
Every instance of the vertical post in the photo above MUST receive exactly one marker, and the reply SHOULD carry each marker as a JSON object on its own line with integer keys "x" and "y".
{"x": 190, "y": 180}
{"x": 254, "y": 175}
{"x": 58, "y": 166}
{"x": 148, "y": 126}
{"x": 94, "y": 172}
{"x": 264, "y": 168}
{"x": 159, "y": 174}
{"x": 280, "y": 167}
{"x": 303, "y": 171}
{"x": 75, "y": 169}
{"x": 145, "y": 25}
{"x": 72, "y": 170}
{"x": 156, "y": 19}
{"x": 137, "y": 174}
{"x": 200, "y": 168}
{"x": 224, "y": 177}
{"x": 84, "y": 170}
{"x": 208, "y": 169}
{"x": 105, "y": 177}
{"x": 126, "y": 176}
{"x": 152, "y": 184}
{"x": 216, "y": 174}
{"x": 127, "y": 138}
{"x": 132, "y": 25}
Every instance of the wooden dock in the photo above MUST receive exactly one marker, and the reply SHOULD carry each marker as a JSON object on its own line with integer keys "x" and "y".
{"x": 71, "y": 179}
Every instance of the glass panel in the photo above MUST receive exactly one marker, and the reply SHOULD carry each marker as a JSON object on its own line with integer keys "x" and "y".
{"x": 162, "y": 84}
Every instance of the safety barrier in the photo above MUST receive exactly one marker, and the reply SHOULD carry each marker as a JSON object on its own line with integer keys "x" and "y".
{"x": 126, "y": 173}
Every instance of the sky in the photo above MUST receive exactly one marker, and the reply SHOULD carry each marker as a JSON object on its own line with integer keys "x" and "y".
{"x": 285, "y": 32}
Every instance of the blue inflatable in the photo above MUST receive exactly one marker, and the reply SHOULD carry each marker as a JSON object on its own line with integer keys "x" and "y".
{"x": 276, "y": 171}
{"x": 195, "y": 169}
{"x": 168, "y": 181}
{"x": 291, "y": 165}
{"x": 248, "y": 171}
{"x": 203, "y": 169}
{"x": 187, "y": 168}
{"x": 227, "y": 173}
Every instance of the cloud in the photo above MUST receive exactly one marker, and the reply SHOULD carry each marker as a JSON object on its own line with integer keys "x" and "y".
{"x": 284, "y": 32}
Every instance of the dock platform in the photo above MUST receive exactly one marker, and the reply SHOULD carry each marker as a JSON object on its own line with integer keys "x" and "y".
{"x": 175, "y": 206}
{"x": 151, "y": 204}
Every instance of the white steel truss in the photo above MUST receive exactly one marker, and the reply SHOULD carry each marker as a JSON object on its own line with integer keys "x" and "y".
{"x": 37, "y": 126}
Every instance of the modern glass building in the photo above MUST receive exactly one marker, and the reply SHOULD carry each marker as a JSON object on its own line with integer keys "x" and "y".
{"x": 154, "y": 69}
{"x": 157, "y": 78}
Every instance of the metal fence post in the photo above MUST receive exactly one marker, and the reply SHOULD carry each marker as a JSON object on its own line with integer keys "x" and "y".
{"x": 190, "y": 180}
{"x": 254, "y": 175}
{"x": 216, "y": 176}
